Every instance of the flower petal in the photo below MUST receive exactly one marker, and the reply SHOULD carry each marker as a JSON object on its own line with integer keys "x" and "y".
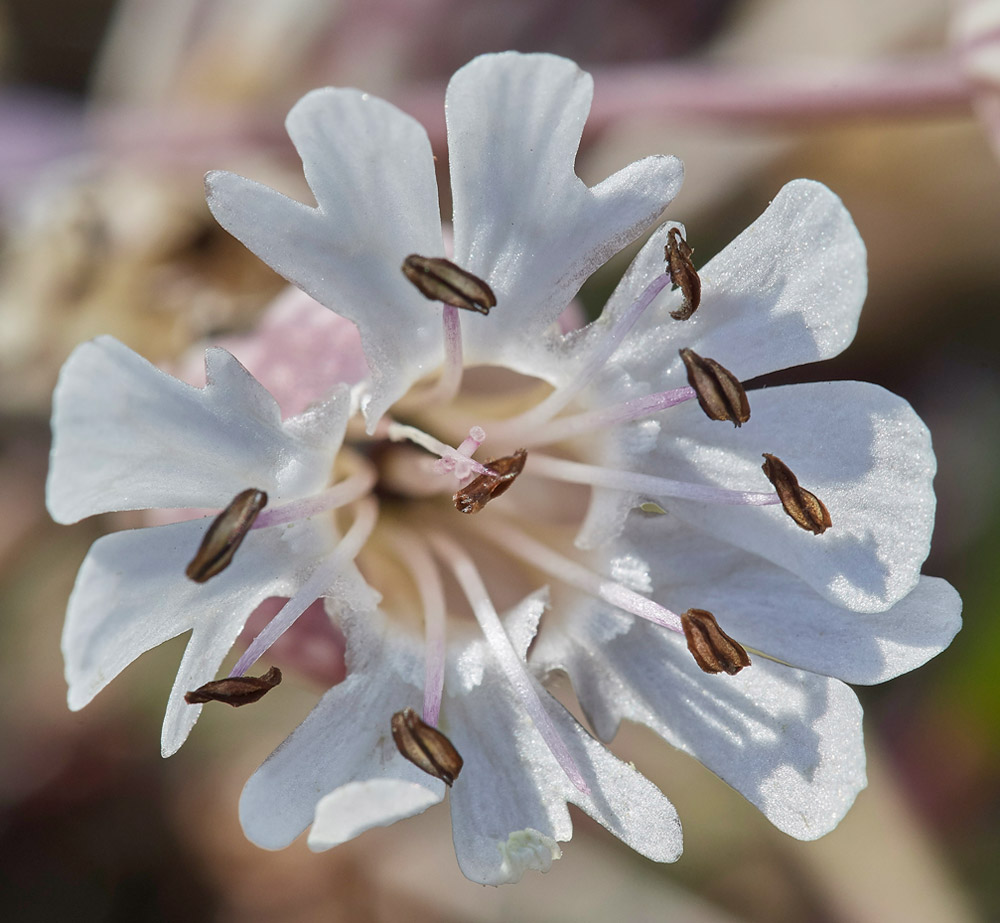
{"x": 509, "y": 806}
{"x": 128, "y": 436}
{"x": 342, "y": 748}
{"x": 370, "y": 168}
{"x": 358, "y": 806}
{"x": 765, "y": 607}
{"x": 862, "y": 450}
{"x": 786, "y": 292}
{"x": 524, "y": 221}
{"x": 788, "y": 740}
{"x": 131, "y": 594}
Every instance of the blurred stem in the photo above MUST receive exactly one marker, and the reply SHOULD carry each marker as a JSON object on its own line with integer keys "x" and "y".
{"x": 786, "y": 96}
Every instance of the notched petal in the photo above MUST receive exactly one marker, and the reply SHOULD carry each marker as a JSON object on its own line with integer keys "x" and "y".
{"x": 678, "y": 256}
{"x": 805, "y": 508}
{"x": 713, "y": 650}
{"x": 441, "y": 280}
{"x": 425, "y": 746}
{"x": 226, "y": 534}
{"x": 235, "y": 690}
{"x": 719, "y": 391}
{"x": 478, "y": 492}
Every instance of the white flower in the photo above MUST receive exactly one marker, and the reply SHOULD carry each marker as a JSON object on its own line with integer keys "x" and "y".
{"x": 605, "y": 411}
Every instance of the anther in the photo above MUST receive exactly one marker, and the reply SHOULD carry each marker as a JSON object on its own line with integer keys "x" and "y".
{"x": 441, "y": 280}
{"x": 677, "y": 253}
{"x": 235, "y": 690}
{"x": 225, "y": 534}
{"x": 498, "y": 480}
{"x": 804, "y": 507}
{"x": 425, "y": 746}
{"x": 713, "y": 650}
{"x": 719, "y": 391}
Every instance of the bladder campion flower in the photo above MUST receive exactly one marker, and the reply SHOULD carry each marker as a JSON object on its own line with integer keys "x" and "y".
{"x": 724, "y": 606}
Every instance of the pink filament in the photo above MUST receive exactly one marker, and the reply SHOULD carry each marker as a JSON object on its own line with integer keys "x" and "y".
{"x": 413, "y": 553}
{"x": 512, "y": 665}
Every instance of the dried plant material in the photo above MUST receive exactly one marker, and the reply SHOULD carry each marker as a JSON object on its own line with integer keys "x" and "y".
{"x": 478, "y": 492}
{"x": 713, "y": 650}
{"x": 425, "y": 746}
{"x": 678, "y": 256}
{"x": 235, "y": 690}
{"x": 226, "y": 534}
{"x": 808, "y": 511}
{"x": 441, "y": 280}
{"x": 719, "y": 391}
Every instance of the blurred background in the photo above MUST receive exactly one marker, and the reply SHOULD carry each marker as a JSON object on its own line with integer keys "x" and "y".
{"x": 111, "y": 112}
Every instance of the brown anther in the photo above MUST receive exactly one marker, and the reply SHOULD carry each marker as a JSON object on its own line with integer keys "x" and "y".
{"x": 478, "y": 492}
{"x": 225, "y": 534}
{"x": 719, "y": 391}
{"x": 235, "y": 690}
{"x": 677, "y": 253}
{"x": 804, "y": 507}
{"x": 425, "y": 746}
{"x": 713, "y": 650}
{"x": 441, "y": 280}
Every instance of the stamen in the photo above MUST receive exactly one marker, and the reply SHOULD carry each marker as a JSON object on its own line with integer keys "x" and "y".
{"x": 401, "y": 432}
{"x": 413, "y": 553}
{"x": 235, "y": 691}
{"x": 426, "y": 747}
{"x": 539, "y": 555}
{"x": 342, "y": 493}
{"x": 569, "y": 426}
{"x": 476, "y": 437}
{"x": 503, "y": 472}
{"x": 441, "y": 280}
{"x": 462, "y": 468}
{"x": 719, "y": 391}
{"x": 713, "y": 650}
{"x": 805, "y": 508}
{"x": 678, "y": 256}
{"x": 562, "y": 469}
{"x": 482, "y": 607}
{"x": 316, "y": 585}
{"x": 606, "y": 347}
{"x": 225, "y": 535}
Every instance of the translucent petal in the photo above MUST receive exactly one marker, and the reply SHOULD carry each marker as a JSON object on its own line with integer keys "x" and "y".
{"x": 511, "y": 783}
{"x": 342, "y": 748}
{"x": 786, "y": 292}
{"x": 128, "y": 436}
{"x": 131, "y": 594}
{"x": 789, "y": 741}
{"x": 524, "y": 221}
{"x": 861, "y": 450}
{"x": 371, "y": 170}
{"x": 765, "y": 607}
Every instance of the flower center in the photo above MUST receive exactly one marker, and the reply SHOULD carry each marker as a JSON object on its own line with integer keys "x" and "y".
{"x": 404, "y": 489}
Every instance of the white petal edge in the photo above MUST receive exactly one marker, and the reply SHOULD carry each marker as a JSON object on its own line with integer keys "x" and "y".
{"x": 371, "y": 170}
{"x": 862, "y": 450}
{"x": 765, "y": 607}
{"x": 511, "y": 785}
{"x": 343, "y": 742}
{"x": 127, "y": 436}
{"x": 787, "y": 291}
{"x": 356, "y": 807}
{"x": 789, "y": 741}
{"x": 523, "y": 220}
